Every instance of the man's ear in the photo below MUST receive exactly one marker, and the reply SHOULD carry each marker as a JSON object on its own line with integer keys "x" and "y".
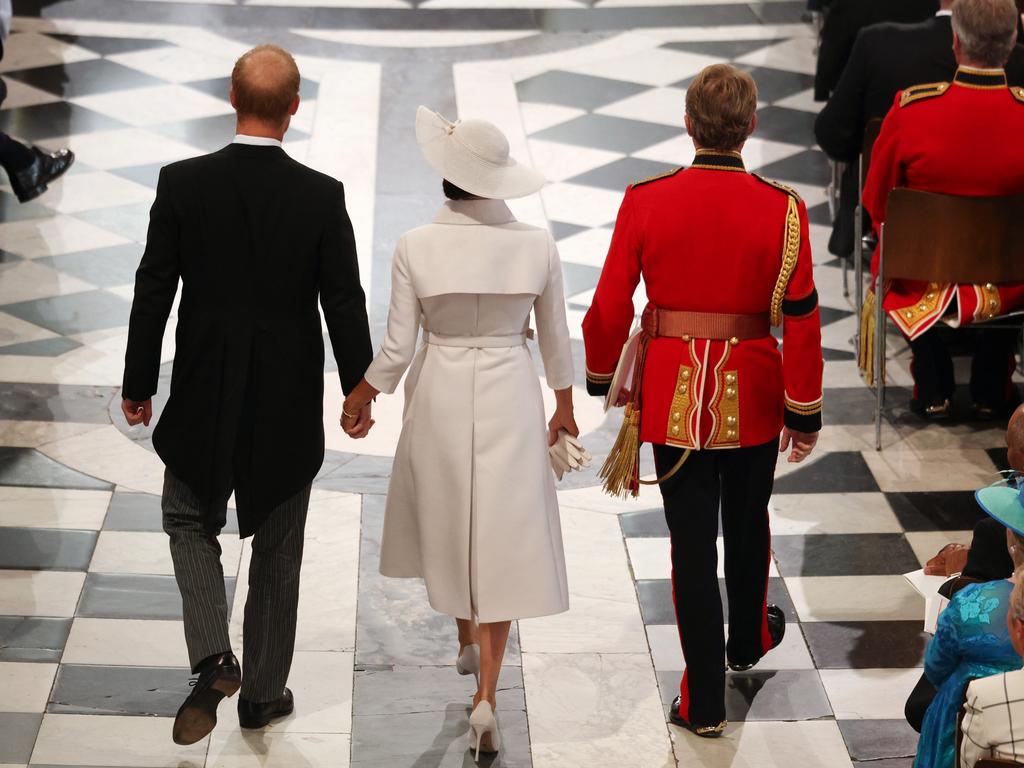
{"x": 956, "y": 44}
{"x": 753, "y": 125}
{"x": 295, "y": 106}
{"x": 231, "y": 97}
{"x": 689, "y": 124}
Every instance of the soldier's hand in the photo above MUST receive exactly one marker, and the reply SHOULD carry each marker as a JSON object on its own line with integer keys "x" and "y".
{"x": 137, "y": 411}
{"x": 802, "y": 444}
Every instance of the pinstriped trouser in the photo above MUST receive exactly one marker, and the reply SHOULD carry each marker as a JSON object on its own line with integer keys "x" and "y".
{"x": 272, "y": 603}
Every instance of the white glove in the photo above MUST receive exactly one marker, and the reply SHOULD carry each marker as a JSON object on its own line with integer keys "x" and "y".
{"x": 568, "y": 454}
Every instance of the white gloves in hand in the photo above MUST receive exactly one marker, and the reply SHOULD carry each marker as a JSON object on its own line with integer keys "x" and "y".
{"x": 568, "y": 454}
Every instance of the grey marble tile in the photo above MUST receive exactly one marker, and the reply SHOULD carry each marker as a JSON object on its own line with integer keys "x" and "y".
{"x": 836, "y": 472}
{"x": 879, "y": 740}
{"x": 116, "y": 596}
{"x": 861, "y": 554}
{"x": 935, "y": 510}
{"x": 18, "y": 735}
{"x": 29, "y": 467}
{"x": 12, "y": 210}
{"x": 54, "y": 347}
{"x": 407, "y": 690}
{"x": 109, "y": 46}
{"x": 865, "y": 644}
{"x": 129, "y": 221}
{"x": 726, "y": 49}
{"x": 46, "y": 549}
{"x": 645, "y": 524}
{"x": 74, "y": 312}
{"x": 572, "y": 89}
{"x": 56, "y": 402}
{"x": 142, "y": 512}
{"x": 757, "y": 696}
{"x": 99, "y": 690}
{"x": 363, "y": 474}
{"x": 657, "y": 607}
{"x": 605, "y": 132}
{"x": 30, "y": 638}
{"x": 82, "y": 78}
{"x": 619, "y": 174}
{"x": 147, "y": 175}
{"x": 104, "y": 267}
{"x": 59, "y": 118}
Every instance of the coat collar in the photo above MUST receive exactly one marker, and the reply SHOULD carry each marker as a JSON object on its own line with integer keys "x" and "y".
{"x": 490, "y": 212}
{"x": 254, "y": 151}
{"x": 717, "y": 160}
{"x": 980, "y": 78}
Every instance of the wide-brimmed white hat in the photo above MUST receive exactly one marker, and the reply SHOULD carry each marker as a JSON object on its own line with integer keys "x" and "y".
{"x": 474, "y": 156}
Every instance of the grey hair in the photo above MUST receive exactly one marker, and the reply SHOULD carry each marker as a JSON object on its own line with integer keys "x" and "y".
{"x": 987, "y": 30}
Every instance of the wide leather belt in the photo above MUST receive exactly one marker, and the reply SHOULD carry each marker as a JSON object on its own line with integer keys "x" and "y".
{"x": 475, "y": 342}
{"x": 717, "y": 326}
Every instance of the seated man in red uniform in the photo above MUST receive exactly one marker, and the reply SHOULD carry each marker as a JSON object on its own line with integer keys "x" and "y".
{"x": 724, "y": 255}
{"x": 959, "y": 138}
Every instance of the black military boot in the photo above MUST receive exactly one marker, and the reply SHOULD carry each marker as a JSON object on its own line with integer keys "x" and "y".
{"x": 777, "y": 631}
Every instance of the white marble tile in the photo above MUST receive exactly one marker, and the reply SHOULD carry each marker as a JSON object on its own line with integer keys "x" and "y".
{"x": 155, "y": 104}
{"x": 109, "y": 454}
{"x": 678, "y": 150}
{"x": 97, "y": 189}
{"x": 803, "y": 101}
{"x": 658, "y": 105}
{"x": 595, "y": 709}
{"x": 32, "y": 434}
{"x": 604, "y": 615}
{"x": 126, "y": 642}
{"x": 21, "y": 95}
{"x": 442, "y": 38}
{"x": 594, "y": 499}
{"x": 145, "y": 552}
{"x": 40, "y": 593}
{"x": 123, "y": 148}
{"x": 801, "y": 514}
{"x": 854, "y": 598}
{"x": 267, "y": 749}
{"x": 537, "y": 117}
{"x": 26, "y": 685}
{"x": 578, "y": 204}
{"x": 589, "y": 247}
{"x": 139, "y": 742}
{"x": 796, "y": 55}
{"x": 926, "y": 544}
{"x": 29, "y": 50}
{"x": 28, "y": 280}
{"x": 13, "y": 330}
{"x": 53, "y": 508}
{"x": 177, "y": 65}
{"x": 651, "y": 558}
{"x": 853, "y": 693}
{"x": 53, "y": 236}
{"x": 470, "y": 4}
{"x": 758, "y": 152}
{"x": 804, "y": 743}
{"x": 667, "y": 652}
{"x": 559, "y": 162}
{"x": 904, "y": 467}
{"x": 654, "y": 66}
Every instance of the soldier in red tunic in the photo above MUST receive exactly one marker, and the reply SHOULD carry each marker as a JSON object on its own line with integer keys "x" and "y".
{"x": 725, "y": 256}
{"x": 960, "y": 138}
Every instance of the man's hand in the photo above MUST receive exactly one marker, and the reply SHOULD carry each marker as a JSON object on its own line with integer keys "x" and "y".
{"x": 359, "y": 424}
{"x": 137, "y": 411}
{"x": 802, "y": 442}
{"x": 949, "y": 560}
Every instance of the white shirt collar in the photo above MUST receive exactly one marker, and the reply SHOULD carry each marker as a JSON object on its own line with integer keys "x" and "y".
{"x": 947, "y": 12}
{"x": 255, "y": 141}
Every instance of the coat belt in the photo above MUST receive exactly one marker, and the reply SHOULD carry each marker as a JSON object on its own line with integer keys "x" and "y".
{"x": 717, "y": 326}
{"x": 476, "y": 342}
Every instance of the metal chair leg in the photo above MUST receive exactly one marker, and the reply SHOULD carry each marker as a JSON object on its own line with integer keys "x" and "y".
{"x": 858, "y": 259}
{"x": 880, "y": 319}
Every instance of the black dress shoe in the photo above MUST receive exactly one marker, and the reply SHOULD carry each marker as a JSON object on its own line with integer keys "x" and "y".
{"x": 31, "y": 182}
{"x": 704, "y": 731}
{"x": 941, "y": 411}
{"x": 777, "y": 631}
{"x": 219, "y": 676}
{"x": 252, "y": 714}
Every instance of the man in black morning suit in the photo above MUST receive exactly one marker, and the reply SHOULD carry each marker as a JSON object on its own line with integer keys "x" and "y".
{"x": 255, "y": 237}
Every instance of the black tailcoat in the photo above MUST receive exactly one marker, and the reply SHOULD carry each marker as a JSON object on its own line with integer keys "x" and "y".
{"x": 255, "y": 237}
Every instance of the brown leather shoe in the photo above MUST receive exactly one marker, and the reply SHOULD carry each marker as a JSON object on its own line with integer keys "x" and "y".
{"x": 219, "y": 676}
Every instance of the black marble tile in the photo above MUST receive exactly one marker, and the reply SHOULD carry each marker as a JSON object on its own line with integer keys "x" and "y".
{"x": 865, "y": 644}
{"x": 828, "y": 353}
{"x": 29, "y": 549}
{"x": 147, "y": 175}
{"x": 29, "y": 467}
{"x": 110, "y": 46}
{"x": 856, "y": 405}
{"x": 84, "y": 78}
{"x": 833, "y": 315}
{"x": 619, "y": 174}
{"x": 657, "y": 608}
{"x": 104, "y": 267}
{"x": 604, "y": 19}
{"x": 102, "y": 690}
{"x": 819, "y": 214}
{"x": 791, "y": 12}
{"x": 605, "y": 132}
{"x": 936, "y": 510}
{"x": 836, "y": 472}
{"x": 807, "y": 167}
{"x": 758, "y": 696}
{"x": 47, "y": 121}
{"x": 573, "y": 89}
{"x": 999, "y": 458}
{"x": 561, "y": 230}
{"x": 117, "y": 596}
{"x": 54, "y": 347}
{"x": 645, "y": 524}
{"x": 18, "y": 732}
{"x": 854, "y": 554}
{"x": 74, "y": 312}
{"x": 142, "y": 512}
{"x": 31, "y": 638}
{"x": 879, "y": 740}
{"x": 726, "y": 49}
{"x": 129, "y": 221}
{"x": 776, "y": 84}
{"x": 56, "y": 402}
{"x": 787, "y": 125}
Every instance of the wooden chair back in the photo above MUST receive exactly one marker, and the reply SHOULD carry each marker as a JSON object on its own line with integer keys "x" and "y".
{"x": 994, "y": 762}
{"x": 953, "y": 239}
{"x": 871, "y": 131}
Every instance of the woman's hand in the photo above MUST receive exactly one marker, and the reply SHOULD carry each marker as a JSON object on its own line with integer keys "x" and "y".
{"x": 356, "y": 411}
{"x": 564, "y": 417}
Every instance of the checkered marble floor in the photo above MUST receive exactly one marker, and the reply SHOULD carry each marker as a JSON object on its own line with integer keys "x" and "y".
{"x": 92, "y": 661}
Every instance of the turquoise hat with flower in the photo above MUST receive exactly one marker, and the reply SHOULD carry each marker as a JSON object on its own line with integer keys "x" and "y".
{"x": 1004, "y": 501}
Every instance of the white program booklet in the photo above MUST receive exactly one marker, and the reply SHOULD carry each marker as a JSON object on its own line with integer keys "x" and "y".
{"x": 928, "y": 587}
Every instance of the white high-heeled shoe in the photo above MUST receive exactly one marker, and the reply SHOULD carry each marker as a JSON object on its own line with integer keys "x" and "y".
{"x": 483, "y": 730}
{"x": 468, "y": 662}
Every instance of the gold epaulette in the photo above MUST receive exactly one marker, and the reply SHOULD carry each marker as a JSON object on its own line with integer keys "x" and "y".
{"x": 665, "y": 175}
{"x": 1018, "y": 93}
{"x": 778, "y": 185}
{"x": 924, "y": 91}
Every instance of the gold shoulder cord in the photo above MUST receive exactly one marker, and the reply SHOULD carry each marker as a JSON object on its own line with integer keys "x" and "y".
{"x": 1018, "y": 93}
{"x": 790, "y": 252}
{"x": 925, "y": 91}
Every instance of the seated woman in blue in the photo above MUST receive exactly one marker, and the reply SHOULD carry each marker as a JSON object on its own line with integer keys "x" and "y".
{"x": 972, "y": 640}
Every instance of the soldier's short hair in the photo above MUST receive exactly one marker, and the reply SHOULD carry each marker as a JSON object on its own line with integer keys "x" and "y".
{"x": 721, "y": 102}
{"x": 265, "y": 82}
{"x": 987, "y": 29}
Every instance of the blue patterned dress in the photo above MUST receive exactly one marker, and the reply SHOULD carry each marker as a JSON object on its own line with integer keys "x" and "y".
{"x": 971, "y": 641}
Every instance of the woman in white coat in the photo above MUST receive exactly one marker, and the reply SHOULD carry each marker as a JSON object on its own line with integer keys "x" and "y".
{"x": 471, "y": 508}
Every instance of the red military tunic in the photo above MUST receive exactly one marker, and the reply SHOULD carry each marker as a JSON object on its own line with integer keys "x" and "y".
{"x": 959, "y": 138}
{"x": 712, "y": 239}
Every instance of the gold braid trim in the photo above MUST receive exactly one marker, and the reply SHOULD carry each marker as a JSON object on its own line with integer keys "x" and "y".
{"x": 790, "y": 252}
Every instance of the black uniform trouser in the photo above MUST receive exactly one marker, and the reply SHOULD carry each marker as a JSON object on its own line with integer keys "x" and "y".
{"x": 739, "y": 482}
{"x": 14, "y": 156}
{"x": 992, "y": 365}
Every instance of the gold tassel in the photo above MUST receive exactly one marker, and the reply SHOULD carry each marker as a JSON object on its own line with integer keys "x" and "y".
{"x": 621, "y": 470}
{"x": 866, "y": 347}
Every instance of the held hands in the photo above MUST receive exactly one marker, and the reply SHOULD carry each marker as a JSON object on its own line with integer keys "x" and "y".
{"x": 137, "y": 411}
{"x": 563, "y": 419}
{"x": 802, "y": 442}
{"x": 355, "y": 411}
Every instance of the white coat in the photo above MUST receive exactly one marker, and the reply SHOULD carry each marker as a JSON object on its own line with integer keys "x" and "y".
{"x": 471, "y": 507}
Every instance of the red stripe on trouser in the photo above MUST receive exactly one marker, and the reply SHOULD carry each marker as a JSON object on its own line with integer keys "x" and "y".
{"x": 684, "y": 688}
{"x": 766, "y": 635}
